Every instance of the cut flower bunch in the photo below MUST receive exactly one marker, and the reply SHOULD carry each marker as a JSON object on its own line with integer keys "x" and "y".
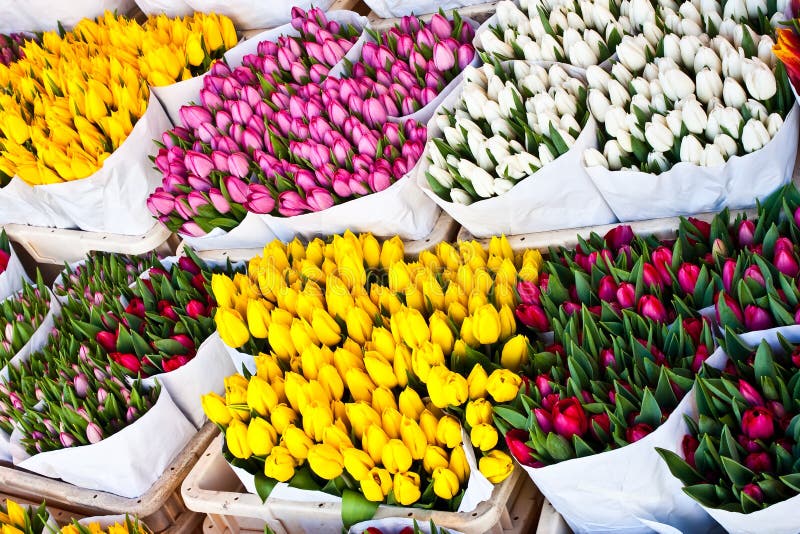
{"x": 20, "y": 519}
{"x": 366, "y": 364}
{"x": 74, "y": 99}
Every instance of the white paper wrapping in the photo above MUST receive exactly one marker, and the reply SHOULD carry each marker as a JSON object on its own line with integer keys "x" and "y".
{"x": 171, "y": 8}
{"x": 559, "y": 195}
{"x": 111, "y": 200}
{"x": 206, "y": 372}
{"x": 388, "y": 9}
{"x": 687, "y": 188}
{"x": 252, "y": 232}
{"x": 12, "y": 278}
{"x": 254, "y": 14}
{"x": 629, "y": 489}
{"x": 126, "y": 463}
{"x": 401, "y": 209}
{"x": 42, "y": 15}
{"x": 240, "y": 359}
{"x": 393, "y": 525}
{"x": 173, "y": 97}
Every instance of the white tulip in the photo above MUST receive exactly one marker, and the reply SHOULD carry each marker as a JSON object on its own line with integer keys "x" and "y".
{"x": 721, "y": 46}
{"x": 594, "y": 40}
{"x": 442, "y": 120}
{"x": 711, "y": 156}
{"x": 760, "y": 82}
{"x": 672, "y": 47}
{"x": 532, "y": 51}
{"x": 541, "y": 72}
{"x": 641, "y": 12}
{"x": 727, "y": 146}
{"x": 566, "y": 104}
{"x": 482, "y": 181}
{"x": 488, "y": 72}
{"x": 708, "y": 6}
{"x": 436, "y": 156}
{"x": 519, "y": 166}
{"x": 675, "y": 122}
{"x": 565, "y": 135}
{"x": 732, "y": 65}
{"x": 659, "y": 137}
{"x": 689, "y": 45}
{"x": 574, "y": 87}
{"x": 442, "y": 176}
{"x": 545, "y": 156}
{"x": 728, "y": 26}
{"x": 730, "y": 121}
{"x": 594, "y": 158}
{"x": 690, "y": 27}
{"x": 475, "y": 100}
{"x": 569, "y": 123}
{"x": 537, "y": 27}
{"x": 558, "y": 18}
{"x": 502, "y": 186}
{"x": 575, "y": 21}
{"x": 613, "y": 154}
{"x": 467, "y": 124}
{"x": 551, "y": 50}
{"x": 459, "y": 196}
{"x": 557, "y": 75}
{"x": 597, "y": 78}
{"x": 601, "y": 16}
{"x": 652, "y": 33}
{"x": 659, "y": 103}
{"x": 657, "y": 160}
{"x": 543, "y": 103}
{"x": 774, "y": 123}
{"x": 732, "y": 93}
{"x": 618, "y": 94}
{"x": 707, "y": 58}
{"x": 625, "y": 141}
{"x": 507, "y": 99}
{"x": 672, "y": 21}
{"x": 570, "y": 37}
{"x": 734, "y": 9}
{"x": 756, "y": 8}
{"x": 712, "y": 18}
{"x": 777, "y": 19}
{"x": 502, "y": 127}
{"x": 691, "y": 150}
{"x": 581, "y": 55}
{"x": 493, "y": 87}
{"x": 709, "y": 85}
{"x": 476, "y": 143}
{"x": 523, "y": 30}
{"x": 516, "y": 147}
{"x": 688, "y": 11}
{"x": 738, "y": 35}
{"x": 655, "y": 87}
{"x": 453, "y": 136}
{"x": 533, "y": 123}
{"x": 495, "y": 46}
{"x": 615, "y": 27}
{"x": 475, "y": 76}
{"x": 621, "y": 74}
{"x": 615, "y": 120}
{"x": 694, "y": 116}
{"x": 650, "y": 72}
{"x": 712, "y": 126}
{"x": 664, "y": 64}
{"x": 545, "y": 120}
{"x": 676, "y": 84}
{"x": 631, "y": 54}
{"x": 509, "y": 15}
{"x": 521, "y": 69}
{"x": 765, "y": 54}
{"x": 754, "y": 135}
{"x": 641, "y": 102}
{"x": 533, "y": 84}
{"x": 491, "y": 111}
{"x": 757, "y": 110}
{"x": 640, "y": 87}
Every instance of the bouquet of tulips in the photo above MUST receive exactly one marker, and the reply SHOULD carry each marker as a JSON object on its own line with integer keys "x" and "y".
{"x": 17, "y": 518}
{"x": 358, "y": 354}
{"x": 12, "y": 273}
{"x": 106, "y": 525}
{"x": 25, "y": 320}
{"x": 738, "y": 457}
{"x": 508, "y": 124}
{"x": 98, "y": 75}
{"x": 102, "y": 276}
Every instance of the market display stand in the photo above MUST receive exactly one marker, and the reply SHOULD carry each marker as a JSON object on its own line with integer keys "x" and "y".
{"x": 161, "y": 508}
{"x": 212, "y": 488}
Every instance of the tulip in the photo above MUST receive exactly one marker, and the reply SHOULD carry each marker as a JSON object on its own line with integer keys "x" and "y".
{"x": 236, "y": 439}
{"x": 514, "y": 353}
{"x": 406, "y": 488}
{"x": 638, "y": 431}
{"x": 325, "y": 461}
{"x": 756, "y": 318}
{"x": 496, "y": 466}
{"x": 758, "y": 462}
{"x": 215, "y": 409}
{"x": 532, "y": 316}
{"x": 569, "y": 419}
{"x": 279, "y": 465}
{"x": 651, "y": 307}
{"x": 687, "y": 277}
{"x": 376, "y": 485}
{"x": 758, "y": 423}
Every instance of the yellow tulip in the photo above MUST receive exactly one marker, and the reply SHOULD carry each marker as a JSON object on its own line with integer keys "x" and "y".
{"x": 261, "y": 436}
{"x": 445, "y": 483}
{"x": 399, "y": 277}
{"x": 478, "y": 411}
{"x": 231, "y": 327}
{"x": 281, "y": 417}
{"x": 483, "y": 436}
{"x": 327, "y": 330}
{"x": 436, "y": 381}
{"x": 504, "y": 294}
{"x": 372, "y": 250}
{"x": 402, "y": 365}
{"x": 413, "y": 437}
{"x": 383, "y": 342}
{"x": 415, "y": 298}
{"x": 224, "y": 289}
{"x": 457, "y": 312}
{"x": 260, "y": 396}
{"x": 396, "y": 457}
{"x": 215, "y": 409}
{"x": 194, "y": 50}
{"x": 468, "y": 332}
{"x": 383, "y": 398}
{"x": 380, "y": 371}
{"x": 228, "y": 31}
{"x": 326, "y": 461}
{"x": 503, "y": 385}
{"x": 476, "y": 300}
{"x": 486, "y": 324}
{"x": 17, "y": 515}
{"x": 429, "y": 425}
{"x": 361, "y": 415}
{"x": 483, "y": 281}
{"x": 374, "y": 442}
{"x": 358, "y": 463}
{"x": 359, "y": 384}
{"x": 406, "y": 488}
{"x": 280, "y": 464}
{"x": 449, "y": 256}
{"x": 435, "y": 456}
{"x": 236, "y": 440}
{"x": 337, "y": 437}
{"x": 359, "y": 325}
{"x": 376, "y": 485}
{"x": 391, "y": 252}
{"x": 476, "y": 382}
{"x": 459, "y": 465}
{"x": 316, "y": 418}
{"x": 410, "y": 403}
{"x": 331, "y": 381}
{"x": 280, "y": 340}
{"x": 236, "y": 396}
{"x": 303, "y": 336}
{"x": 515, "y": 353}
{"x": 441, "y": 334}
{"x": 448, "y": 432}
{"x": 391, "y": 420}
{"x": 496, "y": 466}
{"x": 296, "y": 442}
{"x": 499, "y": 246}
{"x": 508, "y": 324}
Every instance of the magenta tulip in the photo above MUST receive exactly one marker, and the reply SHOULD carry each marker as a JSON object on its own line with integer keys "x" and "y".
{"x": 756, "y": 318}
{"x": 746, "y": 233}
{"x": 732, "y": 305}
{"x": 532, "y": 316}
{"x": 754, "y": 273}
{"x": 440, "y": 26}
{"x": 626, "y": 295}
{"x": 758, "y": 423}
{"x": 529, "y": 292}
{"x": 569, "y": 418}
{"x": 786, "y": 263}
{"x": 516, "y": 441}
{"x": 638, "y": 431}
{"x": 651, "y": 307}
{"x": 198, "y": 163}
{"x": 688, "y": 274}
{"x": 618, "y": 237}
{"x": 728, "y": 274}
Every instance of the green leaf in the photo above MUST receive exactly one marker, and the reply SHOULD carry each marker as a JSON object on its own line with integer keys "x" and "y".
{"x": 679, "y": 468}
{"x": 516, "y": 419}
{"x": 558, "y": 447}
{"x": 739, "y": 474}
{"x": 356, "y": 508}
{"x": 264, "y": 485}
{"x": 705, "y": 494}
{"x": 793, "y": 481}
{"x": 651, "y": 412}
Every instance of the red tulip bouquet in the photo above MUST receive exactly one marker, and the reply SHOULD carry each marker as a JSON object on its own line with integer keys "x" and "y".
{"x": 594, "y": 405}
{"x": 739, "y": 456}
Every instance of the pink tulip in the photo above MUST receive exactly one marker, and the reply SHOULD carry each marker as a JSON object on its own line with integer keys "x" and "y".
{"x": 750, "y": 394}
{"x": 161, "y": 202}
{"x": 332, "y": 52}
{"x": 193, "y": 116}
{"x": 687, "y": 277}
{"x": 529, "y": 292}
{"x": 239, "y": 164}
{"x": 219, "y": 202}
{"x": 797, "y": 216}
{"x": 443, "y": 57}
{"x": 290, "y": 203}
{"x": 259, "y": 199}
{"x": 728, "y": 274}
{"x": 196, "y": 201}
{"x": 440, "y": 26}
{"x": 191, "y": 229}
{"x": 746, "y": 233}
{"x": 465, "y": 54}
{"x": 754, "y": 273}
{"x": 198, "y": 163}
{"x": 223, "y": 120}
{"x": 319, "y": 199}
{"x": 93, "y": 433}
{"x": 786, "y": 263}
{"x": 626, "y": 295}
{"x": 237, "y": 189}
{"x": 409, "y": 24}
{"x": 651, "y": 307}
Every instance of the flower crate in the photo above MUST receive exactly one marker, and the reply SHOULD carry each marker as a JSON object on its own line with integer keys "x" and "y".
{"x": 551, "y": 522}
{"x": 212, "y": 488}
{"x": 445, "y": 229}
{"x": 58, "y": 246}
{"x": 161, "y": 507}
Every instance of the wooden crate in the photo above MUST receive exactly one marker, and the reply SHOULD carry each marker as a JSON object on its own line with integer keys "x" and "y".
{"x": 161, "y": 507}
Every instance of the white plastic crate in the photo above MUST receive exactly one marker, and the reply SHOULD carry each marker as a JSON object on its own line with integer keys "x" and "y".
{"x": 58, "y": 246}
{"x": 445, "y": 229}
{"x": 212, "y": 488}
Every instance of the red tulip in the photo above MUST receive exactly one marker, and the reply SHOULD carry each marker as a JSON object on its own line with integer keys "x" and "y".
{"x": 650, "y": 277}
{"x": 734, "y": 307}
{"x": 626, "y": 295}
{"x": 196, "y": 309}
{"x": 758, "y": 423}
{"x": 607, "y": 289}
{"x": 652, "y": 308}
{"x": 662, "y": 259}
{"x": 700, "y": 356}
{"x": 754, "y": 492}
{"x": 702, "y": 226}
{"x": 529, "y": 292}
{"x": 608, "y": 358}
{"x": 689, "y": 446}
{"x": 174, "y": 363}
{"x": 638, "y": 431}
{"x": 694, "y": 328}
{"x": 532, "y": 316}
{"x": 516, "y": 440}
{"x": 135, "y": 307}
{"x": 4, "y": 257}
{"x": 569, "y": 419}
{"x": 128, "y": 361}
{"x": 107, "y": 340}
{"x": 184, "y": 340}
{"x": 618, "y": 237}
{"x": 602, "y": 420}
{"x": 166, "y": 310}
{"x": 188, "y": 264}
{"x": 758, "y": 462}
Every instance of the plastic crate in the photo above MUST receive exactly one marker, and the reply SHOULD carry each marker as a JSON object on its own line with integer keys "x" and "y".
{"x": 161, "y": 507}
{"x": 478, "y": 13}
{"x": 551, "y": 522}
{"x": 445, "y": 229}
{"x": 58, "y": 246}
{"x": 214, "y": 489}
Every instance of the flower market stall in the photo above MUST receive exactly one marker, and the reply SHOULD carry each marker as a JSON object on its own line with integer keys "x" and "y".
{"x": 372, "y": 266}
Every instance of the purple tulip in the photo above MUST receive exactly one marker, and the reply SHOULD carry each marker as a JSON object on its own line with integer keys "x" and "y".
{"x": 194, "y": 116}
{"x": 754, "y": 492}
{"x": 756, "y": 318}
{"x": 544, "y": 420}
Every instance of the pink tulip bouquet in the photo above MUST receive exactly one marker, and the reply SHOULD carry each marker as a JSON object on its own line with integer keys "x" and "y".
{"x": 407, "y": 67}
{"x": 741, "y": 453}
{"x": 20, "y": 317}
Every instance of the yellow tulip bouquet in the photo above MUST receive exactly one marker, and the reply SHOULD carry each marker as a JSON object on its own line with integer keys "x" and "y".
{"x": 130, "y": 525}
{"x": 19, "y": 519}
{"x": 366, "y": 365}
{"x": 74, "y": 98}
